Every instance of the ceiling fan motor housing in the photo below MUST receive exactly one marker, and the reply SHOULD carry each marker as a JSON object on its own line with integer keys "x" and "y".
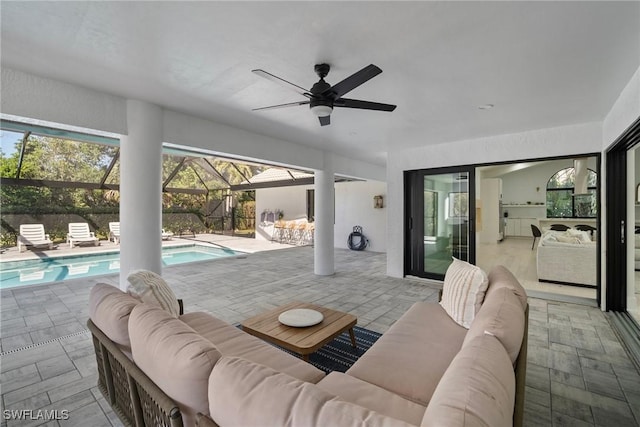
{"x": 318, "y": 89}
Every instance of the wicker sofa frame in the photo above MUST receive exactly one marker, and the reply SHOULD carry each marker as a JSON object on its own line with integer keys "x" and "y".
{"x": 136, "y": 400}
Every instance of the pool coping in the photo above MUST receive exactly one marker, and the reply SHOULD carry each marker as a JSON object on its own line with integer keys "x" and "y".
{"x": 32, "y": 255}
{"x": 115, "y": 250}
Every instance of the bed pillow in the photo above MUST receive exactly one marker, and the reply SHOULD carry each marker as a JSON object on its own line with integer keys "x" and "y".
{"x": 151, "y": 288}
{"x": 463, "y": 291}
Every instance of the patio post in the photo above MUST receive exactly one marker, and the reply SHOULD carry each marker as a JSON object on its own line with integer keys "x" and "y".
{"x": 141, "y": 190}
{"x": 324, "y": 199}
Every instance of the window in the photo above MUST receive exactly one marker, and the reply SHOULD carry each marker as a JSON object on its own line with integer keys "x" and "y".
{"x": 562, "y": 202}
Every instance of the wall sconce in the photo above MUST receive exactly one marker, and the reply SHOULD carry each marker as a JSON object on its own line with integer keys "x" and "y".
{"x": 378, "y": 202}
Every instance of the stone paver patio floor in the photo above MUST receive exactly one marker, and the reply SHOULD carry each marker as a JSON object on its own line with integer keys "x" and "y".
{"x": 578, "y": 372}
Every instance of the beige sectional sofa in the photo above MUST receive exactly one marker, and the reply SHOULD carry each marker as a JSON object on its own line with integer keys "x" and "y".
{"x": 425, "y": 370}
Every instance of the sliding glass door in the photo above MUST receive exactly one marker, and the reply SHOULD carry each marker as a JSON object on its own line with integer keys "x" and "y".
{"x": 439, "y": 220}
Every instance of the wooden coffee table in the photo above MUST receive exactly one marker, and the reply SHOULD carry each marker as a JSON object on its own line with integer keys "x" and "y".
{"x": 303, "y": 341}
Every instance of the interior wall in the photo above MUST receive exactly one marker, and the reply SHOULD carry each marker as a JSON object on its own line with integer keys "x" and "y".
{"x": 559, "y": 141}
{"x": 624, "y": 111}
{"x": 353, "y": 206}
{"x": 529, "y": 184}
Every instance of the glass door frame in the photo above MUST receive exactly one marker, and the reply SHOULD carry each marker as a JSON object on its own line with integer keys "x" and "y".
{"x": 616, "y": 194}
{"x": 414, "y": 218}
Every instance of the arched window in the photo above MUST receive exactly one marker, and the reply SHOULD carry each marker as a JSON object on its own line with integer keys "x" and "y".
{"x": 563, "y": 202}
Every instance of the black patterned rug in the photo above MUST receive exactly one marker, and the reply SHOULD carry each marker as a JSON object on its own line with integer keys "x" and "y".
{"x": 339, "y": 354}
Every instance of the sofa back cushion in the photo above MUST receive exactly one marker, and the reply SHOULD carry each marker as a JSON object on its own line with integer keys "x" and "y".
{"x": 501, "y": 277}
{"x": 502, "y": 316}
{"x": 175, "y": 357}
{"x": 421, "y": 344}
{"x": 478, "y": 388}
{"x": 109, "y": 310}
{"x": 244, "y": 393}
{"x": 463, "y": 291}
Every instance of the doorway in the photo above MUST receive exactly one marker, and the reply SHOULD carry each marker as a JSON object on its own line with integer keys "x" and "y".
{"x": 439, "y": 220}
{"x": 546, "y": 230}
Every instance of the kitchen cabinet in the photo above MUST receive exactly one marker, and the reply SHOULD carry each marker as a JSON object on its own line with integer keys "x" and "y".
{"x": 520, "y": 227}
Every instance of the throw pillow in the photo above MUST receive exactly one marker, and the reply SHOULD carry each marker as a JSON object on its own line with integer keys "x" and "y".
{"x": 151, "y": 288}
{"x": 583, "y": 236}
{"x": 463, "y": 291}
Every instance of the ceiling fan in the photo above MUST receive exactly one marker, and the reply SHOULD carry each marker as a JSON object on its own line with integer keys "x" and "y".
{"x": 323, "y": 97}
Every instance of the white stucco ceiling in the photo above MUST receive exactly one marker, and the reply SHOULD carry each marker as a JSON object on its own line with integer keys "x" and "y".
{"x": 542, "y": 64}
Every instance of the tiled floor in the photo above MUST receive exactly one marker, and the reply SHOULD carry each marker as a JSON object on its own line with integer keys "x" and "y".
{"x": 578, "y": 373}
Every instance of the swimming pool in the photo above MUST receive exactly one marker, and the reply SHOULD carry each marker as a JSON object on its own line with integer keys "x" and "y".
{"x": 54, "y": 269}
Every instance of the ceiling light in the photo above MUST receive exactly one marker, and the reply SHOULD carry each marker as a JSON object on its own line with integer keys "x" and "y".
{"x": 322, "y": 110}
{"x": 486, "y": 107}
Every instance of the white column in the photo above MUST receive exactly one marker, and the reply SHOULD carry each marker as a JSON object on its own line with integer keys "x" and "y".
{"x": 324, "y": 218}
{"x": 141, "y": 190}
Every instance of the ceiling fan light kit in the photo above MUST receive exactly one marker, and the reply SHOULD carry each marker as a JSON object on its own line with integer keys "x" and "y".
{"x": 322, "y": 97}
{"x": 321, "y": 110}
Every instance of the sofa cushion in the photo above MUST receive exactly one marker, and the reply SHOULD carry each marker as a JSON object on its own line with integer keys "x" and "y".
{"x": 463, "y": 291}
{"x": 500, "y": 277}
{"x": 174, "y": 356}
{"x": 109, "y": 310}
{"x": 231, "y": 341}
{"x": 152, "y": 289}
{"x": 255, "y": 395}
{"x": 582, "y": 236}
{"x": 478, "y": 389}
{"x": 354, "y": 390}
{"x": 502, "y": 316}
{"x": 569, "y": 239}
{"x": 411, "y": 357}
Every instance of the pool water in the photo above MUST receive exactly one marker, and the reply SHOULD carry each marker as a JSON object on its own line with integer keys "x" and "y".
{"x": 46, "y": 270}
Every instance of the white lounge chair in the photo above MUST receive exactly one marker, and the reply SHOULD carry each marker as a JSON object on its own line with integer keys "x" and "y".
{"x": 166, "y": 235}
{"x": 114, "y": 232}
{"x": 33, "y": 235}
{"x": 79, "y": 233}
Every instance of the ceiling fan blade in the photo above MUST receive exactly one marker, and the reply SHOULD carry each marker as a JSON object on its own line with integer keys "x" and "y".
{"x": 365, "y": 105}
{"x": 325, "y": 120}
{"x": 274, "y": 107}
{"x": 283, "y": 82}
{"x": 353, "y": 81}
